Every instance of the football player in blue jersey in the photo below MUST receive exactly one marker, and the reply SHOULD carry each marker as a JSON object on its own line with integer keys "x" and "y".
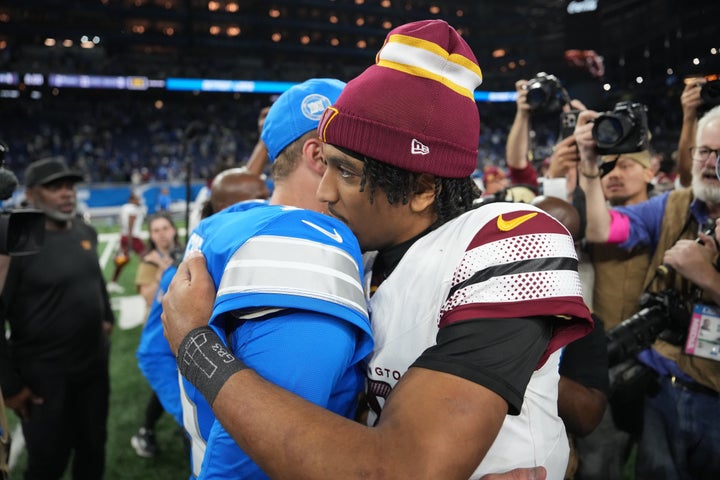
{"x": 290, "y": 298}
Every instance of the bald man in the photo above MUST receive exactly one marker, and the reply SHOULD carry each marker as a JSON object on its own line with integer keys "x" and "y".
{"x": 232, "y": 186}
{"x": 565, "y": 212}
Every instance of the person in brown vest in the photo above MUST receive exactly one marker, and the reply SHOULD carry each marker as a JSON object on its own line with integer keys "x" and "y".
{"x": 619, "y": 276}
{"x": 680, "y": 436}
{"x": 619, "y": 272}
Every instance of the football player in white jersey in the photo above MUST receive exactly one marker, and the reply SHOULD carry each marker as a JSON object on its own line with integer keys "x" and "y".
{"x": 469, "y": 308}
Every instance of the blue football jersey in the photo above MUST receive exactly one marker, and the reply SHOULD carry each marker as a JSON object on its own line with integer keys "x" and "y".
{"x": 290, "y": 304}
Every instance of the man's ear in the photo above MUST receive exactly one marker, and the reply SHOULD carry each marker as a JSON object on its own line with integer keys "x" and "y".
{"x": 312, "y": 153}
{"x": 424, "y": 195}
{"x": 649, "y": 175}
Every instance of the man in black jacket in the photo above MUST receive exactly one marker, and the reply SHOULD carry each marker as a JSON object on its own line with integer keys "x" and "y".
{"x": 54, "y": 366}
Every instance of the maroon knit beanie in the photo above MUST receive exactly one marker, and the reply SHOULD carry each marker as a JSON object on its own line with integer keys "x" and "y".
{"x": 415, "y": 107}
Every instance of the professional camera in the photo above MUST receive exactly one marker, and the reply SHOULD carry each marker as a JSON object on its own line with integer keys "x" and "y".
{"x": 662, "y": 315}
{"x": 21, "y": 230}
{"x": 623, "y": 130}
{"x": 710, "y": 92}
{"x": 545, "y": 94}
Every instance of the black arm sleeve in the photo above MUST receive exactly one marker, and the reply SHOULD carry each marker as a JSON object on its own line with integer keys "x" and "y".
{"x": 586, "y": 359}
{"x": 500, "y": 354}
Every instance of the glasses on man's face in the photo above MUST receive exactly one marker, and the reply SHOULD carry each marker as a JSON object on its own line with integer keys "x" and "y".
{"x": 701, "y": 154}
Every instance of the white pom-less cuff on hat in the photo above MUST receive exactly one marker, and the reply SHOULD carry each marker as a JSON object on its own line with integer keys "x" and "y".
{"x": 421, "y": 58}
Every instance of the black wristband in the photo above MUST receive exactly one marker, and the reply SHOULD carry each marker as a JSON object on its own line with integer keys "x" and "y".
{"x": 206, "y": 362}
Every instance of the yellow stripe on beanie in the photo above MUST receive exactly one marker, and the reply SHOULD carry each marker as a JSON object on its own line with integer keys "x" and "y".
{"x": 426, "y": 59}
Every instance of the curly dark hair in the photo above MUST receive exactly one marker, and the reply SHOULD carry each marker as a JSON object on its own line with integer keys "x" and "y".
{"x": 453, "y": 196}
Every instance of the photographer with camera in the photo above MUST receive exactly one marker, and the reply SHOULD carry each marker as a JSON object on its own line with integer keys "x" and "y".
{"x": 618, "y": 283}
{"x": 698, "y": 94}
{"x": 54, "y": 365}
{"x": 625, "y": 180}
{"x": 680, "y": 436}
{"x": 541, "y": 95}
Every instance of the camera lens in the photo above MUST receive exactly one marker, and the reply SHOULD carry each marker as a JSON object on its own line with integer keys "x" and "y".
{"x": 607, "y": 130}
{"x": 536, "y": 96}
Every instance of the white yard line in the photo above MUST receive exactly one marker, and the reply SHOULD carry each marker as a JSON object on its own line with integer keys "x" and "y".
{"x": 18, "y": 445}
{"x": 112, "y": 241}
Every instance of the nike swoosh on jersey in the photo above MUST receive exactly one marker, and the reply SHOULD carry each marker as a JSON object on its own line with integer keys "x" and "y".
{"x": 507, "y": 225}
{"x": 334, "y": 235}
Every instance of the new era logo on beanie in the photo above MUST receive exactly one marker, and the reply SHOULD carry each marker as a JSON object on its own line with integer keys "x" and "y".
{"x": 415, "y": 107}
{"x": 298, "y": 111}
{"x": 418, "y": 148}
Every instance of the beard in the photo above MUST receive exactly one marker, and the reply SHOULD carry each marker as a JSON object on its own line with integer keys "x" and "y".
{"x": 707, "y": 192}
{"x": 54, "y": 213}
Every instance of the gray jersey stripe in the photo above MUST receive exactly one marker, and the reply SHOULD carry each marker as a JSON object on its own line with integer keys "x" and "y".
{"x": 291, "y": 249}
{"x": 293, "y": 266}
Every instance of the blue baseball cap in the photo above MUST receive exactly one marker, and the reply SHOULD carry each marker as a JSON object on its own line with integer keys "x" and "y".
{"x": 297, "y": 111}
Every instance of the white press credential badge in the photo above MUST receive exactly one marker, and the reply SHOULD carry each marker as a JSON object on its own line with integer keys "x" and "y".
{"x": 704, "y": 334}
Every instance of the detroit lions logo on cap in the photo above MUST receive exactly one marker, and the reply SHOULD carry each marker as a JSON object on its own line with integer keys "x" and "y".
{"x": 314, "y": 105}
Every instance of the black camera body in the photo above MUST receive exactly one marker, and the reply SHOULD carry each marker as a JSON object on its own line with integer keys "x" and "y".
{"x": 710, "y": 92}
{"x": 22, "y": 230}
{"x": 662, "y": 315}
{"x": 545, "y": 94}
{"x": 623, "y": 130}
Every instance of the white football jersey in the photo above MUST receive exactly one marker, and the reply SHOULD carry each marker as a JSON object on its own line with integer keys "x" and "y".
{"x": 452, "y": 267}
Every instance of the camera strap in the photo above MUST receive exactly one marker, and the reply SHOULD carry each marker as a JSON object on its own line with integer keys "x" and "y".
{"x": 607, "y": 167}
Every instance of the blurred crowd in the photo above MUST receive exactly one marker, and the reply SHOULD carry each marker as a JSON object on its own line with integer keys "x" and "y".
{"x": 130, "y": 140}
{"x": 136, "y": 138}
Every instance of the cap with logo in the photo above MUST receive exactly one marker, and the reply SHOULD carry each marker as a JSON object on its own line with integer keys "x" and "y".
{"x": 415, "y": 107}
{"x": 298, "y": 111}
{"x": 608, "y": 162}
{"x": 42, "y": 172}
